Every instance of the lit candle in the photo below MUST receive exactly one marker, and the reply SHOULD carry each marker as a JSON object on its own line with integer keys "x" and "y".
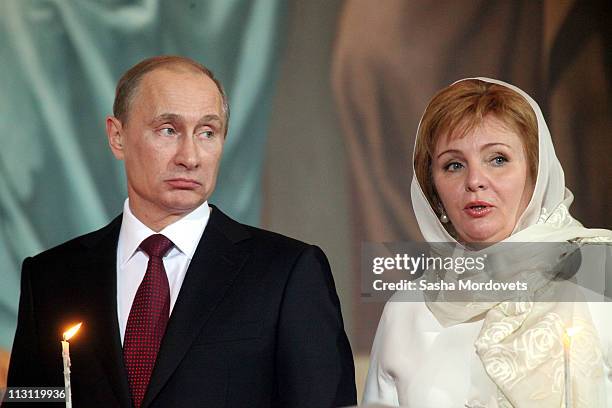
{"x": 66, "y": 358}
{"x": 567, "y": 345}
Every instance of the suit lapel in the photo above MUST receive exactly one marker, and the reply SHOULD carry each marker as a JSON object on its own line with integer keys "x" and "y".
{"x": 212, "y": 271}
{"x": 101, "y": 279}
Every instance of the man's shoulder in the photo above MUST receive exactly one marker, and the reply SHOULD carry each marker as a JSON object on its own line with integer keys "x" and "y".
{"x": 275, "y": 238}
{"x": 81, "y": 243}
{"x": 258, "y": 237}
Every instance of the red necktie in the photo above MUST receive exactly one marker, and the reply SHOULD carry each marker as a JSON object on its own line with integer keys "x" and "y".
{"x": 148, "y": 318}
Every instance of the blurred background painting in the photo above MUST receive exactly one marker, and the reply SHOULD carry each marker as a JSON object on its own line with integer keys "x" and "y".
{"x": 326, "y": 96}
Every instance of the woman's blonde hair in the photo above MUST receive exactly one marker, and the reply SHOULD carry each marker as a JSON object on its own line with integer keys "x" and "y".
{"x": 458, "y": 109}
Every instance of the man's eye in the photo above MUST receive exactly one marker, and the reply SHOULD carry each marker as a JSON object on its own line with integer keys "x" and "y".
{"x": 168, "y": 131}
{"x": 454, "y": 166}
{"x": 207, "y": 133}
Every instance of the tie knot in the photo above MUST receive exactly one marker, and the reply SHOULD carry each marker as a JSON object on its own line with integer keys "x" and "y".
{"x": 156, "y": 245}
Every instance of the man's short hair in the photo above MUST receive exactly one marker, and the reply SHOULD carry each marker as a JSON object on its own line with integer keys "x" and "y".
{"x": 128, "y": 83}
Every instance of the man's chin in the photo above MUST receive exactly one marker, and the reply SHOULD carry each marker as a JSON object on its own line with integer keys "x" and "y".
{"x": 183, "y": 206}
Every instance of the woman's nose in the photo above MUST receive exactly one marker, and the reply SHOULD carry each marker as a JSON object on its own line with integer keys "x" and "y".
{"x": 476, "y": 180}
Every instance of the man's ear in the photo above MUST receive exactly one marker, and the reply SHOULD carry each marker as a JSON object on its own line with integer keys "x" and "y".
{"x": 114, "y": 132}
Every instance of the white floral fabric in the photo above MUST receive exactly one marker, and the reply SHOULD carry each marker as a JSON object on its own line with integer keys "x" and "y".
{"x": 507, "y": 353}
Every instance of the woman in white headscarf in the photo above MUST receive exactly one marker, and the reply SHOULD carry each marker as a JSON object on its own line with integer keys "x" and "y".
{"x": 486, "y": 175}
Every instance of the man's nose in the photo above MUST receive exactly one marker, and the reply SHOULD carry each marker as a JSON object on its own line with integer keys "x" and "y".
{"x": 476, "y": 179}
{"x": 187, "y": 153}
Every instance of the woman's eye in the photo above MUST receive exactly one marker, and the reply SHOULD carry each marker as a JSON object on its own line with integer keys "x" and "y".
{"x": 499, "y": 161}
{"x": 454, "y": 166}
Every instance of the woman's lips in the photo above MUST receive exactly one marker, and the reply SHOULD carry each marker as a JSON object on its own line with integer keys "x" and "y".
{"x": 478, "y": 209}
{"x": 183, "y": 184}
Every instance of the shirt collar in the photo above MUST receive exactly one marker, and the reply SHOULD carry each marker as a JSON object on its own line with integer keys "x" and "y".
{"x": 184, "y": 233}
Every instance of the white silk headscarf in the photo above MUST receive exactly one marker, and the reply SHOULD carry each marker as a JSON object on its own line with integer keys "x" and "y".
{"x": 520, "y": 344}
{"x": 550, "y": 196}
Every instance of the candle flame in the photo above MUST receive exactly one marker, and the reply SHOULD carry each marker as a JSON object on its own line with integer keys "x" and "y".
{"x": 72, "y": 331}
{"x": 569, "y": 333}
{"x": 572, "y": 331}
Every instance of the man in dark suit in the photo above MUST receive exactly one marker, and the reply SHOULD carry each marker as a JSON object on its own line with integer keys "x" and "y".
{"x": 254, "y": 319}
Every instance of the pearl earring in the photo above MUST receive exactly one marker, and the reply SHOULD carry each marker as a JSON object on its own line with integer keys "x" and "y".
{"x": 444, "y": 218}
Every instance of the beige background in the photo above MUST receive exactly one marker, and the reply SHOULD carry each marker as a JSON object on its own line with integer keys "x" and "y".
{"x": 354, "y": 80}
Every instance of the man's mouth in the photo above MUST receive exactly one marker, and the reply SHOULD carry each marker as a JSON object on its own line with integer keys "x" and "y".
{"x": 183, "y": 183}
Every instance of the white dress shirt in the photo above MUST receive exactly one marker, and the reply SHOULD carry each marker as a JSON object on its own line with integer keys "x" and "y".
{"x": 132, "y": 261}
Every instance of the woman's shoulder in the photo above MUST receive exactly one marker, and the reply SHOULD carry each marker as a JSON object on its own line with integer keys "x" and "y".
{"x": 395, "y": 352}
{"x": 601, "y": 313}
{"x": 602, "y": 239}
{"x": 405, "y": 328}
{"x": 407, "y": 316}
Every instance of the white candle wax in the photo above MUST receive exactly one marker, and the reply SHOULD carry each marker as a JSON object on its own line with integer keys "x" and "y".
{"x": 66, "y": 360}
{"x": 567, "y": 344}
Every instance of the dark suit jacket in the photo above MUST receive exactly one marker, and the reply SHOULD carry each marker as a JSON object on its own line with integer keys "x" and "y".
{"x": 257, "y": 324}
